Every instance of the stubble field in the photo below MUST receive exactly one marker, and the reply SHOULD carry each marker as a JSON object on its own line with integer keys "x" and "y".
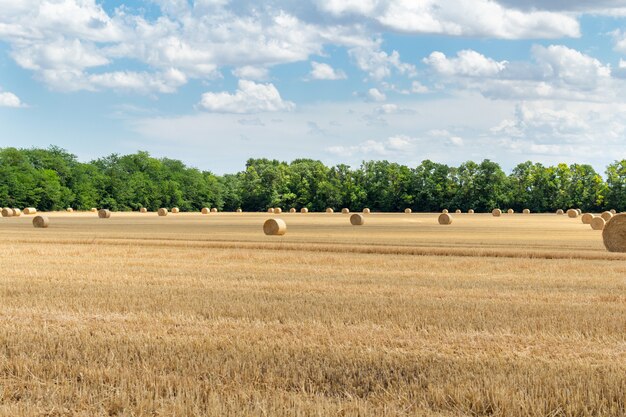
{"x": 204, "y": 315}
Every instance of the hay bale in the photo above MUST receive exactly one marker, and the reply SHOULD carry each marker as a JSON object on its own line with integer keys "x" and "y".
{"x": 408, "y": 211}
{"x": 7, "y": 212}
{"x": 470, "y": 211}
{"x": 143, "y": 210}
{"x": 239, "y": 211}
{"x": 329, "y": 210}
{"x": 458, "y": 211}
{"x": 510, "y": 211}
{"x": 274, "y": 227}
{"x": 304, "y": 210}
{"x": 597, "y": 223}
{"x": 93, "y": 210}
{"x": 572, "y": 214}
{"x": 41, "y": 222}
{"x": 496, "y": 212}
{"x": 357, "y": 220}
{"x": 587, "y": 217}
{"x": 607, "y": 215}
{"x": 270, "y": 210}
{"x": 292, "y": 210}
{"x": 205, "y": 210}
{"x": 104, "y": 214}
{"x": 614, "y": 234}
{"x": 560, "y": 212}
{"x": 445, "y": 218}
{"x": 345, "y": 211}
{"x": 175, "y": 210}
{"x": 213, "y": 210}
{"x": 580, "y": 212}
{"x": 613, "y": 211}
{"x": 278, "y": 210}
{"x": 366, "y": 211}
{"x": 445, "y": 211}
{"x": 30, "y": 210}
{"x": 71, "y": 210}
{"x": 17, "y": 212}
{"x": 162, "y": 212}
{"x": 526, "y": 211}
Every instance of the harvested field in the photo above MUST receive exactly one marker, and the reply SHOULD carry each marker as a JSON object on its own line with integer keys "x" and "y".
{"x": 521, "y": 315}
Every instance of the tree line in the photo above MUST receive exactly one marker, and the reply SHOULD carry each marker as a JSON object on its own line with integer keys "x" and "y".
{"x": 53, "y": 179}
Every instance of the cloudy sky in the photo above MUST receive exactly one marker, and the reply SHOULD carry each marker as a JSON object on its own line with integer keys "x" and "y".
{"x": 214, "y": 82}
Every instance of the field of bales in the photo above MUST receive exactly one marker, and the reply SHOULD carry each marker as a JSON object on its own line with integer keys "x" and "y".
{"x": 191, "y": 314}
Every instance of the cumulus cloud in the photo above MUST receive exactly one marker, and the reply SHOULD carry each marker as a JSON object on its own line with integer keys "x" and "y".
{"x": 388, "y": 147}
{"x": 379, "y": 64}
{"x": 321, "y": 71}
{"x": 374, "y": 94}
{"x": 10, "y": 100}
{"x": 249, "y": 72}
{"x": 250, "y": 97}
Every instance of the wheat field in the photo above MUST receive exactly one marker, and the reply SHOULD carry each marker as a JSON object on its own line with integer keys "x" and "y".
{"x": 185, "y": 315}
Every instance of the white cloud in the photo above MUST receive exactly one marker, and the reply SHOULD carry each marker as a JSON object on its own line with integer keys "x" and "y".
{"x": 10, "y": 100}
{"x": 250, "y": 72}
{"x": 467, "y": 63}
{"x": 321, "y": 71}
{"x": 372, "y": 148}
{"x": 375, "y": 94}
{"x": 378, "y": 64}
{"x": 419, "y": 88}
{"x": 250, "y": 97}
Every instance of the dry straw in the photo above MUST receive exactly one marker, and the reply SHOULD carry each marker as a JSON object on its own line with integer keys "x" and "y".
{"x": 17, "y": 212}
{"x": 560, "y": 212}
{"x": 329, "y": 210}
{"x": 597, "y": 223}
{"x": 41, "y": 222}
{"x": 366, "y": 211}
{"x": 357, "y": 220}
{"x": 104, "y": 214}
{"x": 304, "y": 210}
{"x": 613, "y": 211}
{"x": 470, "y": 211}
{"x": 213, "y": 210}
{"x": 458, "y": 211}
{"x": 445, "y": 218}
{"x": 408, "y": 211}
{"x": 510, "y": 211}
{"x": 175, "y": 210}
{"x": 445, "y": 211}
{"x": 496, "y": 212}
{"x": 278, "y": 210}
{"x": 7, "y": 212}
{"x": 292, "y": 210}
{"x": 239, "y": 211}
{"x": 526, "y": 211}
{"x": 143, "y": 210}
{"x": 205, "y": 210}
{"x": 572, "y": 214}
{"x": 162, "y": 212}
{"x": 614, "y": 234}
{"x": 586, "y": 218}
{"x": 30, "y": 210}
{"x": 71, "y": 210}
{"x": 93, "y": 210}
{"x": 270, "y": 210}
{"x": 345, "y": 211}
{"x": 274, "y": 227}
{"x": 607, "y": 215}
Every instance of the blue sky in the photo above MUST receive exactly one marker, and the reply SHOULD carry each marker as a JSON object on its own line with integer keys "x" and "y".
{"x": 215, "y": 82}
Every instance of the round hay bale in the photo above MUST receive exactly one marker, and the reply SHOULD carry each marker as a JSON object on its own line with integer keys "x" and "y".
{"x": 572, "y": 214}
{"x": 40, "y": 222}
{"x": 304, "y": 210}
{"x": 614, "y": 234}
{"x": 598, "y": 223}
{"x": 560, "y": 212}
{"x": 345, "y": 211}
{"x": 580, "y": 212}
{"x": 17, "y": 212}
{"x": 445, "y": 218}
{"x": 329, "y": 210}
{"x": 270, "y": 210}
{"x": 143, "y": 210}
{"x": 408, "y": 211}
{"x": 292, "y": 210}
{"x": 71, "y": 210}
{"x": 445, "y": 211}
{"x": 496, "y": 212}
{"x": 7, "y": 212}
{"x": 278, "y": 210}
{"x": 274, "y": 227}
{"x": 205, "y": 210}
{"x": 470, "y": 211}
{"x": 458, "y": 211}
{"x": 366, "y": 211}
{"x": 213, "y": 210}
{"x": 510, "y": 211}
{"x": 607, "y": 215}
{"x": 175, "y": 210}
{"x": 93, "y": 210}
{"x": 357, "y": 220}
{"x": 104, "y": 214}
{"x": 162, "y": 212}
{"x": 526, "y": 211}
{"x": 613, "y": 211}
{"x": 239, "y": 211}
{"x": 30, "y": 210}
{"x": 587, "y": 217}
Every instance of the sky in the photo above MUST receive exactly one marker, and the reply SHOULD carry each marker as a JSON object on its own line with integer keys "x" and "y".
{"x": 215, "y": 82}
